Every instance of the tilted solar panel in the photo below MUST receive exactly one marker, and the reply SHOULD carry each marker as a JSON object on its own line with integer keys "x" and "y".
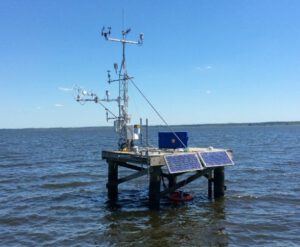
{"x": 215, "y": 158}
{"x": 178, "y": 163}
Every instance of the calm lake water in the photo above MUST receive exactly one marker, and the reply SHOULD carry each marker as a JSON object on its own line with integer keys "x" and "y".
{"x": 53, "y": 191}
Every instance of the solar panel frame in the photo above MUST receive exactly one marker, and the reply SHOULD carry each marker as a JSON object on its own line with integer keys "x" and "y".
{"x": 182, "y": 163}
{"x": 215, "y": 161}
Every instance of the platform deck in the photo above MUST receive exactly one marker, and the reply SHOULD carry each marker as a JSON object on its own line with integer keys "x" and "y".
{"x": 152, "y": 162}
{"x": 153, "y": 157}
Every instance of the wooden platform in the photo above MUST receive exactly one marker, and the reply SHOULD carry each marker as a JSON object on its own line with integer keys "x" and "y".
{"x": 152, "y": 162}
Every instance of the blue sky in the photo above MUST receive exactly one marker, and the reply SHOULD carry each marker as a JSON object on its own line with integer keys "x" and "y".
{"x": 201, "y": 62}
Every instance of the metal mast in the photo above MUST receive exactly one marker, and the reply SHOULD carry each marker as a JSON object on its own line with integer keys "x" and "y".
{"x": 121, "y": 124}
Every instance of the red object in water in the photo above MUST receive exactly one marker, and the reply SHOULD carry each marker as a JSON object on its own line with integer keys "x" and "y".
{"x": 179, "y": 196}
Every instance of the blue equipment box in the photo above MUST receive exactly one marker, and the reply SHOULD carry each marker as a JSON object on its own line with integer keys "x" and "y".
{"x": 169, "y": 140}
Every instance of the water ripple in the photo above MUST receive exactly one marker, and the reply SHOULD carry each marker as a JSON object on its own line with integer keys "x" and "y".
{"x": 53, "y": 192}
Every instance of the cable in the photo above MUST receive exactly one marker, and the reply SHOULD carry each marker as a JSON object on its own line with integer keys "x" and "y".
{"x": 107, "y": 109}
{"x": 158, "y": 114}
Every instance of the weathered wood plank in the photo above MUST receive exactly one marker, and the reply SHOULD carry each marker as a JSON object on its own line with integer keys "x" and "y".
{"x": 154, "y": 187}
{"x": 130, "y": 166}
{"x": 112, "y": 184}
{"x": 133, "y": 176}
{"x": 219, "y": 180}
{"x": 209, "y": 185}
{"x": 125, "y": 157}
{"x": 185, "y": 182}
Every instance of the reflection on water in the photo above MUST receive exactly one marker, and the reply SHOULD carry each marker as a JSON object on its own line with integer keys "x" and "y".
{"x": 176, "y": 225}
{"x": 53, "y": 192}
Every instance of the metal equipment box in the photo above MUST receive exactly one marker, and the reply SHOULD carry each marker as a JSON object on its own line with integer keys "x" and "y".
{"x": 170, "y": 140}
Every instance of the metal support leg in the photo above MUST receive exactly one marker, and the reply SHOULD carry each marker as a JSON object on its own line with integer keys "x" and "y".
{"x": 154, "y": 187}
{"x": 112, "y": 184}
{"x": 219, "y": 177}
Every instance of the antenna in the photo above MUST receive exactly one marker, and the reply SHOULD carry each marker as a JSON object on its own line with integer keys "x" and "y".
{"x": 123, "y": 18}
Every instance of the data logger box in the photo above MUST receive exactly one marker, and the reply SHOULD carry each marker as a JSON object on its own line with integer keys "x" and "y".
{"x": 172, "y": 140}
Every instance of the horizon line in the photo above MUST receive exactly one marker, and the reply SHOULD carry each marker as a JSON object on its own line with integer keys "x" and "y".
{"x": 171, "y": 125}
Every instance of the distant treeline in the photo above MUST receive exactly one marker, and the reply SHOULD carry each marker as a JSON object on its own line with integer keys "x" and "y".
{"x": 244, "y": 124}
{"x": 177, "y": 125}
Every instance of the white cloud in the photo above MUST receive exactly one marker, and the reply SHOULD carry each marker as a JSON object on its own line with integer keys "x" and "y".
{"x": 203, "y": 68}
{"x": 58, "y": 105}
{"x": 65, "y": 89}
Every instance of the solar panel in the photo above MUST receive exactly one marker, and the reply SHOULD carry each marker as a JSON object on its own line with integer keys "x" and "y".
{"x": 216, "y": 158}
{"x": 178, "y": 163}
